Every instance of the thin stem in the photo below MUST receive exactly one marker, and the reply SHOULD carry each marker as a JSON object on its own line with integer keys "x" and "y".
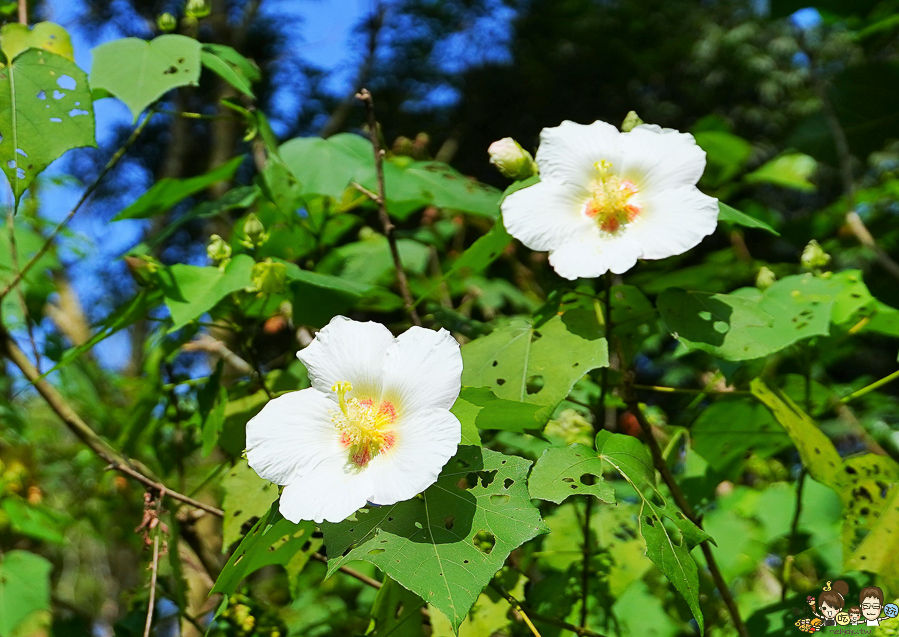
{"x": 791, "y": 544}
{"x": 366, "y": 98}
{"x": 869, "y": 388}
{"x": 683, "y": 390}
{"x": 681, "y": 500}
{"x": 155, "y": 569}
{"x": 87, "y": 193}
{"x": 514, "y": 603}
{"x": 23, "y": 11}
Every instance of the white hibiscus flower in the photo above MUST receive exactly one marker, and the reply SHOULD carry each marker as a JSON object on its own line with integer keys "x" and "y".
{"x": 374, "y": 427}
{"x": 607, "y": 198}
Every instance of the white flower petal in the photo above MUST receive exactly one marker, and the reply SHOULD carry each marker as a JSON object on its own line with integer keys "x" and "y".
{"x": 568, "y": 153}
{"x": 331, "y": 493}
{"x": 422, "y": 369}
{"x": 292, "y": 435}
{"x": 660, "y": 158}
{"x": 673, "y": 222}
{"x": 593, "y": 256}
{"x": 425, "y": 441}
{"x": 546, "y": 215}
{"x": 347, "y": 350}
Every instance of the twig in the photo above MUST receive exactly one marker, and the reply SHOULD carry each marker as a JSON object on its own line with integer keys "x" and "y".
{"x": 552, "y": 621}
{"x": 869, "y": 388}
{"x": 23, "y": 11}
{"x": 365, "y": 96}
{"x": 514, "y": 603}
{"x": 14, "y": 255}
{"x": 87, "y": 193}
{"x": 211, "y": 345}
{"x": 681, "y": 500}
{"x": 155, "y": 568}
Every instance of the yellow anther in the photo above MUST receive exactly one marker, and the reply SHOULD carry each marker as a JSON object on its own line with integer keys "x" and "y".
{"x": 342, "y": 387}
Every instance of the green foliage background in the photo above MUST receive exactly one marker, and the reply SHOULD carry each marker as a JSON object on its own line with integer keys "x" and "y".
{"x": 690, "y": 448}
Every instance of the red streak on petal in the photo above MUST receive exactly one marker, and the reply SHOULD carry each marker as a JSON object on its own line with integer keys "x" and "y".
{"x": 388, "y": 441}
{"x": 591, "y": 210}
{"x": 345, "y": 440}
{"x": 366, "y": 402}
{"x": 610, "y": 224}
{"x": 388, "y": 411}
{"x": 633, "y": 211}
{"x": 362, "y": 457}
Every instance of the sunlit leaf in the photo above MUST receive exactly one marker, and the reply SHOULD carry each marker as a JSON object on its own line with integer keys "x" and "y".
{"x": 231, "y": 66}
{"x": 15, "y": 38}
{"x": 732, "y": 215}
{"x": 539, "y": 366}
{"x": 791, "y": 170}
{"x": 140, "y": 72}
{"x": 247, "y": 496}
{"x": 24, "y": 588}
{"x": 446, "y": 545}
{"x": 49, "y": 112}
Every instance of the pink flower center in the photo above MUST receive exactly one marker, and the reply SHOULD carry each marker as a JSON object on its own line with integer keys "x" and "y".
{"x": 612, "y": 204}
{"x": 364, "y": 425}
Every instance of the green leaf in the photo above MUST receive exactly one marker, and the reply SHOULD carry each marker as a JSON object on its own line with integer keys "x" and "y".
{"x": 561, "y": 472}
{"x": 634, "y": 318}
{"x": 35, "y": 521}
{"x": 24, "y": 588}
{"x": 726, "y": 156}
{"x": 490, "y": 613}
{"x": 479, "y": 408}
{"x": 864, "y": 483}
{"x": 51, "y": 112}
{"x": 396, "y": 612}
{"x": 327, "y": 167}
{"x": 231, "y": 66}
{"x": 539, "y": 366}
{"x": 669, "y": 535}
{"x": 212, "y": 400}
{"x": 191, "y": 291}
{"x": 791, "y": 170}
{"x": 140, "y": 72}
{"x": 877, "y": 552}
{"x": 728, "y": 430}
{"x": 247, "y": 496}
{"x": 317, "y": 298}
{"x": 168, "y": 192}
{"x": 272, "y": 541}
{"x": 446, "y": 545}
{"x": 751, "y": 324}
{"x": 16, "y": 38}
{"x": 732, "y": 215}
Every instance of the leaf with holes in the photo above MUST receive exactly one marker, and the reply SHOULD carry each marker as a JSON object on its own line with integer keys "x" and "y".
{"x": 669, "y": 535}
{"x": 272, "y": 541}
{"x": 563, "y": 472}
{"x": 24, "y": 588}
{"x": 866, "y": 484}
{"x": 539, "y": 366}
{"x": 748, "y": 323}
{"x": 140, "y": 72}
{"x": 446, "y": 545}
{"x": 15, "y": 38}
{"x": 51, "y": 113}
{"x": 247, "y": 496}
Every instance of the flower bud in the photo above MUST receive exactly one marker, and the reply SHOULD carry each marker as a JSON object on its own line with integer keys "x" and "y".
{"x": 631, "y": 121}
{"x": 218, "y": 249}
{"x": 143, "y": 269}
{"x": 254, "y": 231}
{"x": 511, "y": 159}
{"x": 166, "y": 22}
{"x": 571, "y": 427}
{"x": 197, "y": 8}
{"x": 765, "y": 279}
{"x": 269, "y": 277}
{"x": 814, "y": 257}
